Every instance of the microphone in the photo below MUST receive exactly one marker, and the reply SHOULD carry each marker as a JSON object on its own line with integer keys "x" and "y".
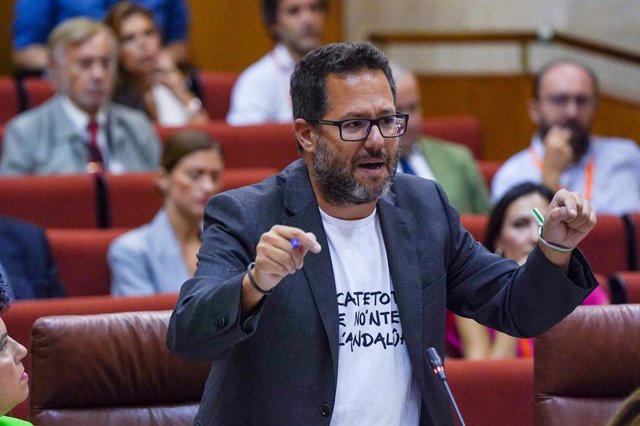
{"x": 438, "y": 370}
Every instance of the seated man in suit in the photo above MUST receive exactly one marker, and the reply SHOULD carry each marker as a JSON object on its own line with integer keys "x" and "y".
{"x": 451, "y": 164}
{"x": 79, "y": 129}
{"x": 27, "y": 260}
{"x": 261, "y": 94}
{"x": 563, "y": 152}
{"x": 318, "y": 290}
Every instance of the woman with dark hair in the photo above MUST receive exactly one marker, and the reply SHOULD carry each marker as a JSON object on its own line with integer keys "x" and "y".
{"x": 512, "y": 232}
{"x": 14, "y": 380}
{"x": 160, "y": 256}
{"x": 148, "y": 79}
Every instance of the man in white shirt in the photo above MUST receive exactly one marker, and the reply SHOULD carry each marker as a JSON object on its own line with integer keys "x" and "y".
{"x": 261, "y": 94}
{"x": 564, "y": 153}
{"x": 79, "y": 129}
{"x": 319, "y": 290}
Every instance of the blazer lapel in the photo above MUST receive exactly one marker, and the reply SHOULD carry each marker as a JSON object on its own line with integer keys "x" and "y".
{"x": 302, "y": 212}
{"x": 65, "y": 132}
{"x": 405, "y": 274}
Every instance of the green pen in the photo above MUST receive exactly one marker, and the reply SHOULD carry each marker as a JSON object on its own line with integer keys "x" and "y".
{"x": 538, "y": 216}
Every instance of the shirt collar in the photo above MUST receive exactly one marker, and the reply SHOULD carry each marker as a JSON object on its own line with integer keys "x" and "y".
{"x": 78, "y": 117}
{"x": 283, "y": 58}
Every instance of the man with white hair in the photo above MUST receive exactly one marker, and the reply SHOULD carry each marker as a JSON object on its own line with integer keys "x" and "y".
{"x": 79, "y": 129}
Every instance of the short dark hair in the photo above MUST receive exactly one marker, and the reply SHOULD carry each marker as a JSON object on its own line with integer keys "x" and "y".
{"x": 270, "y": 10}
{"x": 309, "y": 79}
{"x": 499, "y": 212}
{"x": 5, "y": 291}
{"x": 537, "y": 78}
{"x": 185, "y": 142}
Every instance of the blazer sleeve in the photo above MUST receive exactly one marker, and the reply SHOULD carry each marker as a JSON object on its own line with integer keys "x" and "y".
{"x": 206, "y": 320}
{"x": 52, "y": 287}
{"x": 15, "y": 150}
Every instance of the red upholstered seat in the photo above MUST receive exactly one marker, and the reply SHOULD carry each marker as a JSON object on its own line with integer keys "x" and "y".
{"x": 606, "y": 246}
{"x": 81, "y": 256}
{"x": 117, "y": 370}
{"x": 37, "y": 90}
{"x": 265, "y": 145}
{"x": 462, "y": 129}
{"x": 22, "y": 314}
{"x": 493, "y": 392}
{"x": 476, "y": 224}
{"x": 61, "y": 201}
{"x": 216, "y": 92}
{"x": 8, "y": 99}
{"x": 628, "y": 283}
{"x": 135, "y": 198}
{"x": 586, "y": 365}
{"x": 488, "y": 170}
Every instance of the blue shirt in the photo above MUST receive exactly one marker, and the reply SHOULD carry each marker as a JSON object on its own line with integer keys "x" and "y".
{"x": 616, "y": 174}
{"x": 34, "y": 19}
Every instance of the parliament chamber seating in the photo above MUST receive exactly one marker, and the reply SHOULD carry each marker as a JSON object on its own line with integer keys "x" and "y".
{"x": 36, "y": 91}
{"x": 81, "y": 256}
{"x": 9, "y": 101}
{"x": 23, "y": 313}
{"x": 625, "y": 286}
{"x": 462, "y": 129}
{"x": 488, "y": 170}
{"x": 60, "y": 201}
{"x": 476, "y": 224}
{"x": 586, "y": 365}
{"x": 134, "y": 198}
{"x": 216, "y": 89}
{"x": 608, "y": 246}
{"x": 493, "y": 392}
{"x": 116, "y": 370}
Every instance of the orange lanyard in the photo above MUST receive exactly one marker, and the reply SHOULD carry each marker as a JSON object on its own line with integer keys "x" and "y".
{"x": 588, "y": 173}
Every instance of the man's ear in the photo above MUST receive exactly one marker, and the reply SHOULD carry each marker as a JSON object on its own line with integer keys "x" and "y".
{"x": 533, "y": 108}
{"x": 306, "y": 134}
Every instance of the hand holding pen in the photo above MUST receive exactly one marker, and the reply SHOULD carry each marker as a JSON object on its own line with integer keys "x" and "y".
{"x": 279, "y": 252}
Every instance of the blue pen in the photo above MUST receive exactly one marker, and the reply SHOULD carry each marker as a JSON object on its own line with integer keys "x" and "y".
{"x": 295, "y": 243}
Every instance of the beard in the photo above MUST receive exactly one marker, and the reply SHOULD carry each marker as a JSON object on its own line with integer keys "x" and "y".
{"x": 337, "y": 182}
{"x": 580, "y": 136}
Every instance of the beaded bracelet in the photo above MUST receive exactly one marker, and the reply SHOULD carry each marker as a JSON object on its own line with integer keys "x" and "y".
{"x": 253, "y": 281}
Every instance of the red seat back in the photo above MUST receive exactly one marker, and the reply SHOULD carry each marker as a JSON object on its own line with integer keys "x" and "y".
{"x": 81, "y": 255}
{"x": 216, "y": 92}
{"x": 476, "y": 224}
{"x": 265, "y": 145}
{"x": 37, "y": 90}
{"x": 135, "y": 198}
{"x": 462, "y": 129}
{"x": 22, "y": 314}
{"x": 488, "y": 169}
{"x": 630, "y": 283}
{"x": 606, "y": 246}
{"x": 493, "y": 392}
{"x": 8, "y": 99}
{"x": 60, "y": 201}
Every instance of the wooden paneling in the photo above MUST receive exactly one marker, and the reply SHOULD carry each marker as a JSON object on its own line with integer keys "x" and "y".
{"x": 228, "y": 35}
{"x": 500, "y": 102}
{"x": 6, "y": 21}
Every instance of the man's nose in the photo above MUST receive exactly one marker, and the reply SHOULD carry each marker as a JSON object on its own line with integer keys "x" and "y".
{"x": 375, "y": 139}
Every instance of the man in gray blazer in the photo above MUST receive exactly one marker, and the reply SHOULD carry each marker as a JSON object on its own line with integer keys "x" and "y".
{"x": 79, "y": 129}
{"x": 319, "y": 290}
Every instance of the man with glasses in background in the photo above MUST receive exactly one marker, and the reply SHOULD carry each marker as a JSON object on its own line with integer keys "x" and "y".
{"x": 564, "y": 154}
{"x": 319, "y": 290}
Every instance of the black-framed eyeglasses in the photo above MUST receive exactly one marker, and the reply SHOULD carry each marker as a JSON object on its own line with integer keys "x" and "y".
{"x": 358, "y": 129}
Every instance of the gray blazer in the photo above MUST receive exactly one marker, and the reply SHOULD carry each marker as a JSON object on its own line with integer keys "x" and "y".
{"x": 45, "y": 141}
{"x": 147, "y": 260}
{"x": 279, "y": 366}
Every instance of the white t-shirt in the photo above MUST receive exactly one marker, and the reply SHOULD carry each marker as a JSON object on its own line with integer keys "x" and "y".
{"x": 375, "y": 384}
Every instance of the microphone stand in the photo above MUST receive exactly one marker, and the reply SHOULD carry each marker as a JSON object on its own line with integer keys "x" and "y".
{"x": 438, "y": 370}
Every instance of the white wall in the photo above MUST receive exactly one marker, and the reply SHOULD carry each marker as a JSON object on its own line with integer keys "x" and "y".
{"x": 613, "y": 22}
